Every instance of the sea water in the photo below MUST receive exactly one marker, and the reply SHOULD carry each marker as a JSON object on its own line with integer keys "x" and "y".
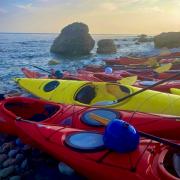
{"x": 19, "y": 50}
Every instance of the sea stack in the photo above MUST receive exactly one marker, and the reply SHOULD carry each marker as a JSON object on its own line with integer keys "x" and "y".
{"x": 74, "y": 40}
{"x": 169, "y": 40}
{"x": 106, "y": 46}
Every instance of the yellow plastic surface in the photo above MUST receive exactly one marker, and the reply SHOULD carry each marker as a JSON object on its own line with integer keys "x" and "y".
{"x": 147, "y": 101}
{"x": 175, "y": 91}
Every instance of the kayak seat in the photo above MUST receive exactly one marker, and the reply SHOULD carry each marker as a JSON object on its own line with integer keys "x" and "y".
{"x": 176, "y": 163}
{"x": 86, "y": 94}
{"x": 31, "y": 111}
{"x": 38, "y": 117}
{"x": 118, "y": 91}
{"x": 49, "y": 109}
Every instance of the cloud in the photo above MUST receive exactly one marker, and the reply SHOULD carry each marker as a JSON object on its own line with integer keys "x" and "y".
{"x": 44, "y": 1}
{"x": 157, "y": 9}
{"x": 3, "y": 11}
{"x": 109, "y": 6}
{"x": 25, "y": 6}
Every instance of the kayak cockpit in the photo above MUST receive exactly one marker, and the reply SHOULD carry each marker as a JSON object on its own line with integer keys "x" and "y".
{"x": 33, "y": 111}
{"x": 103, "y": 92}
{"x": 169, "y": 164}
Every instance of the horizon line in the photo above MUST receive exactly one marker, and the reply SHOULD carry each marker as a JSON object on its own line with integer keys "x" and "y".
{"x": 59, "y": 33}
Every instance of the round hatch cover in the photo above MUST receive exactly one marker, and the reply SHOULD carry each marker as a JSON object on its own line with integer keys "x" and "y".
{"x": 85, "y": 141}
{"x": 147, "y": 83}
{"x": 104, "y": 113}
{"x": 50, "y": 86}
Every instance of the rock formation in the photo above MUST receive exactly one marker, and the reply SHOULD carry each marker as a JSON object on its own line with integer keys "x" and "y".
{"x": 144, "y": 38}
{"x": 169, "y": 40}
{"x": 74, "y": 40}
{"x": 106, "y": 46}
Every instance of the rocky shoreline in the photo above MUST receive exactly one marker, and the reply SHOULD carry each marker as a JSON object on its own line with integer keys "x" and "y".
{"x": 21, "y": 161}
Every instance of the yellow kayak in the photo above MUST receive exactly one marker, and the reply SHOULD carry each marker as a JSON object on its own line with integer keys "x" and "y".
{"x": 101, "y": 94}
{"x": 175, "y": 91}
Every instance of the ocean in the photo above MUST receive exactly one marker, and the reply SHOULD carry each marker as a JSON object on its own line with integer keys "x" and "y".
{"x": 19, "y": 50}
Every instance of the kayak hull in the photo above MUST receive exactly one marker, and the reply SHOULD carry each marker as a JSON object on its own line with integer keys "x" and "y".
{"x": 126, "y": 61}
{"x": 175, "y": 91}
{"x": 75, "y": 92}
{"x": 43, "y": 112}
{"x": 165, "y": 87}
{"x": 79, "y": 77}
{"x": 106, "y": 164}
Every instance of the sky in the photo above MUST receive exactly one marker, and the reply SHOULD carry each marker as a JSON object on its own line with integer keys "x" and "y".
{"x": 102, "y": 16}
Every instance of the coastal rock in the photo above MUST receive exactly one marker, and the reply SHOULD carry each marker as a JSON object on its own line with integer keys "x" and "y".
{"x": 118, "y": 45}
{"x": 137, "y": 43}
{"x": 2, "y": 150}
{"x": 26, "y": 148}
{"x": 12, "y": 153}
{"x": 15, "y": 178}
{"x": 7, "y": 146}
{"x": 74, "y": 40}
{"x": 65, "y": 169}
{"x": 9, "y": 162}
{"x": 134, "y": 39}
{"x": 106, "y": 46}
{"x": 3, "y": 157}
{"x": 53, "y": 62}
{"x": 19, "y": 158}
{"x": 124, "y": 39}
{"x": 6, "y": 171}
{"x": 144, "y": 38}
{"x": 169, "y": 40}
{"x": 24, "y": 164}
{"x": 13, "y": 93}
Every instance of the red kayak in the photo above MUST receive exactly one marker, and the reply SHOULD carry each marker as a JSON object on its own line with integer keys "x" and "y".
{"x": 32, "y": 74}
{"x": 66, "y": 75}
{"x": 172, "y": 55}
{"x": 82, "y": 75}
{"x": 101, "y": 68}
{"x": 117, "y": 75}
{"x": 93, "y": 68}
{"x": 142, "y": 74}
{"x": 165, "y": 75}
{"x": 165, "y": 87}
{"x": 86, "y": 153}
{"x": 167, "y": 60}
{"x": 176, "y": 66}
{"x": 43, "y": 112}
{"x": 152, "y": 74}
{"x": 114, "y": 76}
{"x": 126, "y": 61}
